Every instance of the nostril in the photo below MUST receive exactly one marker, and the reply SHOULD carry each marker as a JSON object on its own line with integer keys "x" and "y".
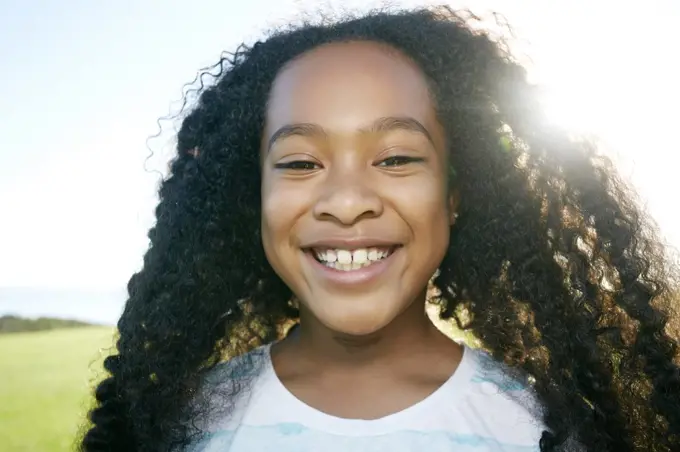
{"x": 348, "y": 204}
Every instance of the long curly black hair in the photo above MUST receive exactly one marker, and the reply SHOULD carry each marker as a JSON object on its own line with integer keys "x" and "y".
{"x": 551, "y": 264}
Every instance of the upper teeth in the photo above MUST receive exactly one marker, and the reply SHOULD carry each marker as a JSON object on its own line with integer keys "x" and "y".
{"x": 358, "y": 256}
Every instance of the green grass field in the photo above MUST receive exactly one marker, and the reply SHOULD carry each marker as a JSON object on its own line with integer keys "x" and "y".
{"x": 45, "y": 386}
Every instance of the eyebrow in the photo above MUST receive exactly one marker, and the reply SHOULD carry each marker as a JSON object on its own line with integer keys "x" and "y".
{"x": 384, "y": 124}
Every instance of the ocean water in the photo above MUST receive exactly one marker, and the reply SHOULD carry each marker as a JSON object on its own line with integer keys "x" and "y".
{"x": 100, "y": 306}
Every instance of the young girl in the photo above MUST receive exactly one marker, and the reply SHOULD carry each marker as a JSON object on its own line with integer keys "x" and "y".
{"x": 324, "y": 179}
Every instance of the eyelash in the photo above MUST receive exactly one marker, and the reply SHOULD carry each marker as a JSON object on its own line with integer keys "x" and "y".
{"x": 297, "y": 165}
{"x": 399, "y": 160}
{"x": 389, "y": 162}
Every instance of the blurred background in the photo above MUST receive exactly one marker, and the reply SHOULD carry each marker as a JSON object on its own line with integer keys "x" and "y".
{"x": 82, "y": 153}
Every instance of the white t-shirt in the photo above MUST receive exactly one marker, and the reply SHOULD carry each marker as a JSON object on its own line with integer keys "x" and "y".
{"x": 479, "y": 409}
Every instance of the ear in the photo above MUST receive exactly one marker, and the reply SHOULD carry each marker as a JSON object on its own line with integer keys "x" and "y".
{"x": 453, "y": 204}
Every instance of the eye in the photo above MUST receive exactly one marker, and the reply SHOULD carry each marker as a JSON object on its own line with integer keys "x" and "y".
{"x": 298, "y": 165}
{"x": 398, "y": 160}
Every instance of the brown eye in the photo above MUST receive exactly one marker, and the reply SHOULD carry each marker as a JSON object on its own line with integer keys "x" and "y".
{"x": 298, "y": 165}
{"x": 399, "y": 160}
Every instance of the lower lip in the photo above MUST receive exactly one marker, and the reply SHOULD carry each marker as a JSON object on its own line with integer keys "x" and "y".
{"x": 361, "y": 275}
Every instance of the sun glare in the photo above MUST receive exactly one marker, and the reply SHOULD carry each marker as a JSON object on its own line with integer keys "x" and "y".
{"x": 631, "y": 114}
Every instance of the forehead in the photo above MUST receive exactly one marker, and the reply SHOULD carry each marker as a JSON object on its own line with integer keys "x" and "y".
{"x": 344, "y": 86}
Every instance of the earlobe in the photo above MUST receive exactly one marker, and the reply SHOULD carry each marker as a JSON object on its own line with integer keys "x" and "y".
{"x": 454, "y": 202}
{"x": 453, "y": 218}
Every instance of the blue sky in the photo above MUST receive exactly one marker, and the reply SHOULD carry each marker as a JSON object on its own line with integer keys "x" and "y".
{"x": 84, "y": 82}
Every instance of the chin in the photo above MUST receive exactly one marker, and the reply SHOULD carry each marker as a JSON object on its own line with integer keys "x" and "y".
{"x": 358, "y": 315}
{"x": 357, "y": 325}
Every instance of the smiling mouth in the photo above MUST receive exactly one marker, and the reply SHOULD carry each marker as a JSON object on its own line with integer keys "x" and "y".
{"x": 349, "y": 260}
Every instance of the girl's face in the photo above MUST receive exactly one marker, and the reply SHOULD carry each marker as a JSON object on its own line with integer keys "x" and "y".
{"x": 355, "y": 207}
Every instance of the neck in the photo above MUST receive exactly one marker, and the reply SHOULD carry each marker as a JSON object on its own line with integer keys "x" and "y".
{"x": 408, "y": 333}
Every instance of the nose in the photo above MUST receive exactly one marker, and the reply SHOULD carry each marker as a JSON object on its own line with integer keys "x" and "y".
{"x": 346, "y": 199}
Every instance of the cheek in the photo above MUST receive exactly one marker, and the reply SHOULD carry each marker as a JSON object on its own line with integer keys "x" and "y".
{"x": 424, "y": 205}
{"x": 282, "y": 204}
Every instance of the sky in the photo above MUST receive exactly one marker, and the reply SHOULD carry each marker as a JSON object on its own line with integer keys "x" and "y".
{"x": 83, "y": 84}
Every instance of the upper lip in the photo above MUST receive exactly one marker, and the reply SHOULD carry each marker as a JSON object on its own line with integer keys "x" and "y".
{"x": 350, "y": 243}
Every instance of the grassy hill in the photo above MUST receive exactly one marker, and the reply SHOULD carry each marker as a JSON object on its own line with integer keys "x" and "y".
{"x": 45, "y": 381}
{"x": 14, "y": 324}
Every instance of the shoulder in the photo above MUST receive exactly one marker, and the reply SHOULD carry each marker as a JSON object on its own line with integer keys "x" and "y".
{"x": 241, "y": 368}
{"x": 491, "y": 378}
{"x": 488, "y": 371}
{"x": 224, "y": 390}
{"x": 504, "y": 398}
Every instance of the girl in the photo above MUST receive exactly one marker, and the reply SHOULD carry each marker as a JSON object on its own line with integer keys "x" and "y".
{"x": 324, "y": 179}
